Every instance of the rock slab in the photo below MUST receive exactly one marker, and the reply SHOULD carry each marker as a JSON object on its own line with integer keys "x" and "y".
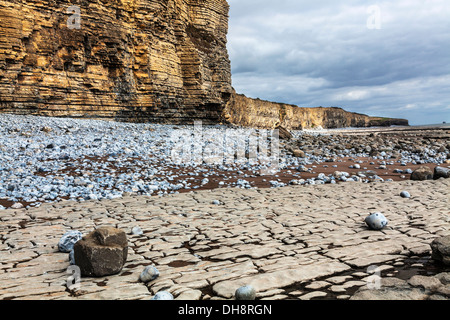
{"x": 417, "y": 288}
{"x": 102, "y": 252}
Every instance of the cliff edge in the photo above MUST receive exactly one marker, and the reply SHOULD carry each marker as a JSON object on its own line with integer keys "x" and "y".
{"x": 266, "y": 114}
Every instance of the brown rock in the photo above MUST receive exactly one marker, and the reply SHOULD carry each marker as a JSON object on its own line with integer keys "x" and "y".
{"x": 284, "y": 134}
{"x": 416, "y": 288}
{"x": 423, "y": 173}
{"x": 428, "y": 283}
{"x": 102, "y": 252}
{"x": 441, "y": 250}
{"x": 109, "y": 236}
{"x": 298, "y": 153}
{"x": 390, "y": 293}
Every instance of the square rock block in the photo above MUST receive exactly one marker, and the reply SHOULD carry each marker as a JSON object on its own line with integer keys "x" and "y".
{"x": 102, "y": 252}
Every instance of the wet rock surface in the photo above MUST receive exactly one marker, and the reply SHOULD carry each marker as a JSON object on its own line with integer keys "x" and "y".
{"x": 417, "y": 288}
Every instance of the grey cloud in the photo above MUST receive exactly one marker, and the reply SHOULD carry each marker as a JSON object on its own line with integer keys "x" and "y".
{"x": 275, "y": 47}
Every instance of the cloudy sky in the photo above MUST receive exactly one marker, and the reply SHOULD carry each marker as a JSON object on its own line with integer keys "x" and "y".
{"x": 381, "y": 58}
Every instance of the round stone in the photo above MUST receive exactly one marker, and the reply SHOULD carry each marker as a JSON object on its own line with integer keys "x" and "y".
{"x": 68, "y": 240}
{"x": 405, "y": 194}
{"x": 376, "y": 221}
{"x": 136, "y": 231}
{"x": 245, "y": 293}
{"x": 150, "y": 273}
{"x": 17, "y": 205}
{"x": 93, "y": 197}
{"x": 163, "y": 295}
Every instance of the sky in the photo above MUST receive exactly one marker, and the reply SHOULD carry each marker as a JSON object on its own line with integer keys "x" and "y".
{"x": 380, "y": 58}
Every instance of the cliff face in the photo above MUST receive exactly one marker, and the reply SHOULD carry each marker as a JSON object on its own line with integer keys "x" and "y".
{"x": 265, "y": 114}
{"x": 134, "y": 60}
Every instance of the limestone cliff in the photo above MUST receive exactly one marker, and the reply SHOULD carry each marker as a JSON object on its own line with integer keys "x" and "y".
{"x": 265, "y": 114}
{"x": 136, "y": 60}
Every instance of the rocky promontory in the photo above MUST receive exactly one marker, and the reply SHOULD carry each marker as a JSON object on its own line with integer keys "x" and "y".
{"x": 266, "y": 114}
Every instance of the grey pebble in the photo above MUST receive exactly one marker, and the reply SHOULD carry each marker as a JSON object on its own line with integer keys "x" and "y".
{"x": 163, "y": 295}
{"x": 376, "y": 221}
{"x": 137, "y": 231}
{"x": 245, "y": 293}
{"x": 405, "y": 194}
{"x": 150, "y": 273}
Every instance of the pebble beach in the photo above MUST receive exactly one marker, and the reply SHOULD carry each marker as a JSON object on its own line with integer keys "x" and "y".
{"x": 212, "y": 226}
{"x": 53, "y": 159}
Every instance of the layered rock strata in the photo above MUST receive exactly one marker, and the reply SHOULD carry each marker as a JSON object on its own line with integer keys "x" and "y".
{"x": 133, "y": 60}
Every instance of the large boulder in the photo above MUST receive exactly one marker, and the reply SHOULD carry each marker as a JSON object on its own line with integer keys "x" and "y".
{"x": 102, "y": 252}
{"x": 441, "y": 250}
{"x": 422, "y": 173}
